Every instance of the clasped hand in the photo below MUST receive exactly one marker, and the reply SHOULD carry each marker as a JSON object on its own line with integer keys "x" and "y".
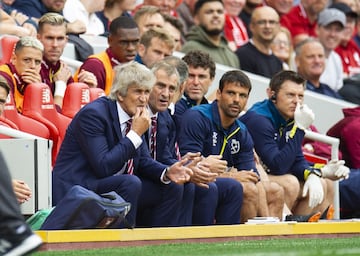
{"x": 335, "y": 170}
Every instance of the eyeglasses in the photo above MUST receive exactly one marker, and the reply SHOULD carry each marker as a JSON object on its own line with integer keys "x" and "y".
{"x": 264, "y": 22}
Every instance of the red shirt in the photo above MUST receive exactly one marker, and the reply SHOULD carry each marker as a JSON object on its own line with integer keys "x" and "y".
{"x": 350, "y": 57}
{"x": 297, "y": 22}
{"x": 235, "y": 31}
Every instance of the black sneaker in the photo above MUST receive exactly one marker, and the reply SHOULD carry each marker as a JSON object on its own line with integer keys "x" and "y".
{"x": 313, "y": 217}
{"x": 22, "y": 242}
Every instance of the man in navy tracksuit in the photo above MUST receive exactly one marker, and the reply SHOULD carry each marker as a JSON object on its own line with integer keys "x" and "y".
{"x": 213, "y": 129}
{"x": 277, "y": 127}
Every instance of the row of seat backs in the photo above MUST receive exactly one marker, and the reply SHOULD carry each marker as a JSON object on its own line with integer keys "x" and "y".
{"x": 40, "y": 116}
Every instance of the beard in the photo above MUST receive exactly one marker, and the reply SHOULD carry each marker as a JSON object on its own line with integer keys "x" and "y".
{"x": 212, "y": 32}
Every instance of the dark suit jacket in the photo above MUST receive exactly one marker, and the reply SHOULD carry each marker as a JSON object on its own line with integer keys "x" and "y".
{"x": 94, "y": 148}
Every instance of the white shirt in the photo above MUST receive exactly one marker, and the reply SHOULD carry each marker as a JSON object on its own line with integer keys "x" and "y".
{"x": 124, "y": 117}
{"x": 333, "y": 73}
{"x": 75, "y": 10}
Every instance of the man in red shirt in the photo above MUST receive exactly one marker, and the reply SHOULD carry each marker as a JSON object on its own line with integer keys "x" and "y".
{"x": 301, "y": 20}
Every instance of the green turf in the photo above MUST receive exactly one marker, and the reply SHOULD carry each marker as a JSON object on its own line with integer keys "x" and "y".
{"x": 270, "y": 247}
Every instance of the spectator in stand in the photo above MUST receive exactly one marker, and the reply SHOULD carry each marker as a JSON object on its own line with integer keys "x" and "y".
{"x": 330, "y": 27}
{"x": 123, "y": 43}
{"x": 155, "y": 44}
{"x": 165, "y": 6}
{"x": 277, "y": 126}
{"x": 185, "y": 13}
{"x": 347, "y": 130}
{"x": 356, "y": 37}
{"x": 282, "y": 48}
{"x": 16, "y": 23}
{"x": 103, "y": 150}
{"x": 207, "y": 34}
{"x": 24, "y": 67}
{"x": 175, "y": 28}
{"x": 234, "y": 30}
{"x": 54, "y": 72}
{"x": 256, "y": 56}
{"x": 301, "y": 19}
{"x": 37, "y": 8}
{"x": 310, "y": 63}
{"x": 114, "y": 9}
{"x": 280, "y": 6}
{"x": 246, "y": 13}
{"x": 148, "y": 17}
{"x": 353, "y": 4}
{"x": 85, "y": 11}
{"x": 348, "y": 51}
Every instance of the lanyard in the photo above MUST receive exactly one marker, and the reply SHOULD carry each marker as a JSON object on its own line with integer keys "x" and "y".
{"x": 226, "y": 139}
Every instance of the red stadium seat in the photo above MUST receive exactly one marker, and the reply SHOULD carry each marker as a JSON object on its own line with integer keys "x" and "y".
{"x": 76, "y": 96}
{"x": 24, "y": 123}
{"x": 39, "y": 105}
{"x": 96, "y": 93}
{"x": 7, "y": 46}
{"x": 7, "y": 123}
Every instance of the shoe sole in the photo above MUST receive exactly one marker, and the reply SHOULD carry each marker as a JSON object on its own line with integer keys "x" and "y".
{"x": 315, "y": 217}
{"x": 29, "y": 245}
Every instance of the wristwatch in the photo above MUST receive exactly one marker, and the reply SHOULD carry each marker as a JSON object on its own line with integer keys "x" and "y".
{"x": 315, "y": 171}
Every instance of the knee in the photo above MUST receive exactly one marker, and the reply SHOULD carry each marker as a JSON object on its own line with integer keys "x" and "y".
{"x": 134, "y": 183}
{"x": 276, "y": 191}
{"x": 292, "y": 185}
{"x": 174, "y": 190}
{"x": 251, "y": 193}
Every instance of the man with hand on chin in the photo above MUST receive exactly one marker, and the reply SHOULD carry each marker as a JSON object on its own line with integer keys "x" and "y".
{"x": 277, "y": 126}
{"x": 103, "y": 151}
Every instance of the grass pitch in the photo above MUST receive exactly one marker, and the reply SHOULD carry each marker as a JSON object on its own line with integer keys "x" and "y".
{"x": 268, "y": 247}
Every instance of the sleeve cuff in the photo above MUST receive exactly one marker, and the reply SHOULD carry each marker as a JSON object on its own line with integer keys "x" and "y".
{"x": 60, "y": 88}
{"x": 163, "y": 178}
{"x": 134, "y": 138}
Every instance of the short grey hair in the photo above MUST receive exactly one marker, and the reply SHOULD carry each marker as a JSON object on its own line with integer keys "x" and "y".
{"x": 181, "y": 67}
{"x": 129, "y": 74}
{"x": 28, "y": 41}
{"x": 167, "y": 68}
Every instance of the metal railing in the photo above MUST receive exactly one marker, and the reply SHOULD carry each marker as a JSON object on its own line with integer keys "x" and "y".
{"x": 334, "y": 142}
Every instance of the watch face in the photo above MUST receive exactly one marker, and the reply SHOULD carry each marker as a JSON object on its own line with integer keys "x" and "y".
{"x": 317, "y": 172}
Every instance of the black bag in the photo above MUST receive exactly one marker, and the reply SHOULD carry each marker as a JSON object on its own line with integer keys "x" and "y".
{"x": 84, "y": 209}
